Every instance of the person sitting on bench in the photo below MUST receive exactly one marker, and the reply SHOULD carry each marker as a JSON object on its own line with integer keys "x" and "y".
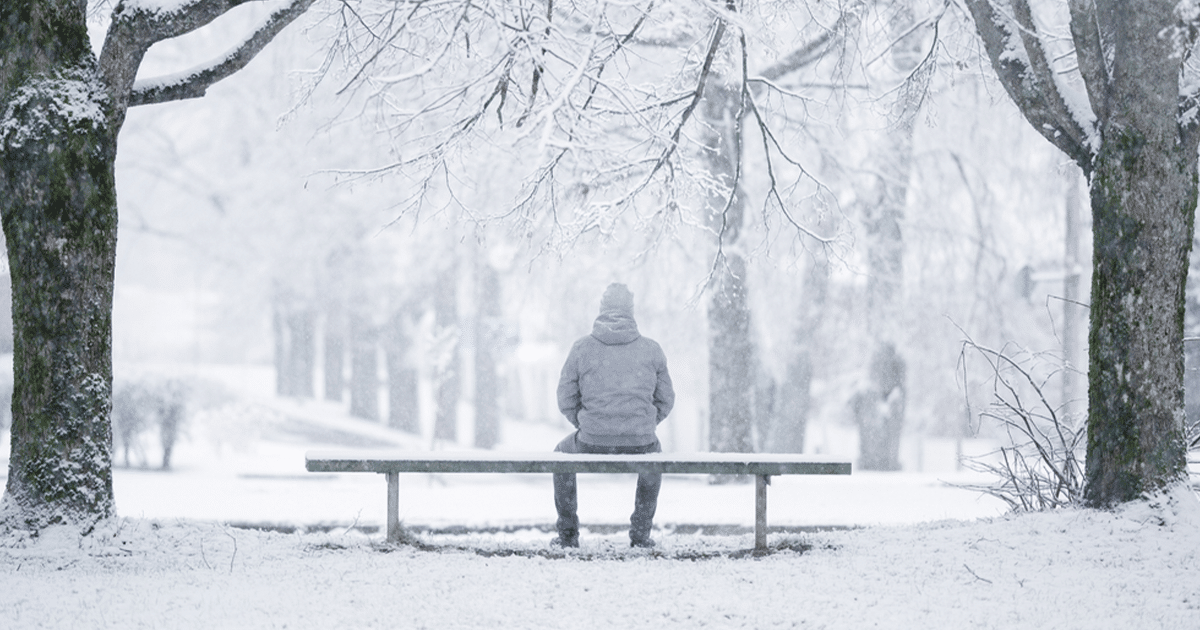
{"x": 615, "y": 390}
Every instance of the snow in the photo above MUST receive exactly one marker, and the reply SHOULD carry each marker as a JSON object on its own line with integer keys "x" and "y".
{"x": 917, "y": 552}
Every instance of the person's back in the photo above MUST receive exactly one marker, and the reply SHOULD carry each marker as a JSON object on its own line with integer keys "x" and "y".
{"x": 615, "y": 389}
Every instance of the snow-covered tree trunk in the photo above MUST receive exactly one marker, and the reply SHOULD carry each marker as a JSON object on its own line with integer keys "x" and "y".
{"x": 364, "y": 368}
{"x": 60, "y": 113}
{"x": 795, "y": 398}
{"x": 730, "y": 347}
{"x": 880, "y": 407}
{"x": 1143, "y": 208}
{"x": 1135, "y": 136}
{"x": 59, "y": 209}
{"x": 445, "y": 306}
{"x": 403, "y": 407}
{"x": 488, "y": 337}
{"x": 334, "y": 355}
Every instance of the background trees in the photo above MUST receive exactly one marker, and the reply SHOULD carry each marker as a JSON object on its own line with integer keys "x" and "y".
{"x": 628, "y": 139}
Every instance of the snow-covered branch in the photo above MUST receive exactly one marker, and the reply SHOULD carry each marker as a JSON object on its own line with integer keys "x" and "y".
{"x": 195, "y": 83}
{"x": 1089, "y": 52}
{"x": 139, "y": 24}
{"x": 1019, "y": 59}
{"x": 805, "y": 55}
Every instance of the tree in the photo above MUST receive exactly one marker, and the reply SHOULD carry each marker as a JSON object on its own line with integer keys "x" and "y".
{"x": 62, "y": 111}
{"x": 880, "y": 408}
{"x": 1133, "y": 131}
{"x": 489, "y": 339}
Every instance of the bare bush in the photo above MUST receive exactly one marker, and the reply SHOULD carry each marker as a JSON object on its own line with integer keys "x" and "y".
{"x": 141, "y": 407}
{"x": 1043, "y": 466}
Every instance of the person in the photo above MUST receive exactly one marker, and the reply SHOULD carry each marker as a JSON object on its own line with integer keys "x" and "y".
{"x": 615, "y": 390}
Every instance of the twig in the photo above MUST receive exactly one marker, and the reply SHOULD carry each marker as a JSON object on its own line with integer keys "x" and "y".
{"x": 977, "y": 577}
{"x": 232, "y": 557}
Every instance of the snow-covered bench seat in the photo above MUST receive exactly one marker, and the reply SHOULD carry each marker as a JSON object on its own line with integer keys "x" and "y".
{"x": 391, "y": 463}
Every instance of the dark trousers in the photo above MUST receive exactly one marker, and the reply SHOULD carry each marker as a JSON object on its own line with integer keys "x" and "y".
{"x": 566, "y": 492}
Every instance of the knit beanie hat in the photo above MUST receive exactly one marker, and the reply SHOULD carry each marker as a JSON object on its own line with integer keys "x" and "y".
{"x": 617, "y": 297}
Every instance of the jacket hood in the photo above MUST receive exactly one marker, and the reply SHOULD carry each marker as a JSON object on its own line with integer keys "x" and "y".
{"x": 616, "y": 325}
{"x": 614, "y": 328}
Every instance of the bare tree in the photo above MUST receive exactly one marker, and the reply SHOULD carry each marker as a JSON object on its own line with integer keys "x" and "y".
{"x": 1120, "y": 99}
{"x": 563, "y": 83}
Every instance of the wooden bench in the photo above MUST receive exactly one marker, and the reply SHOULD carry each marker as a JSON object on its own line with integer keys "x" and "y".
{"x": 391, "y": 463}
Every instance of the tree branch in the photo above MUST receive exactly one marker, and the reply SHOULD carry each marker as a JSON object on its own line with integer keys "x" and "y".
{"x": 1089, "y": 51}
{"x": 135, "y": 29}
{"x": 1020, "y": 62}
{"x": 195, "y": 83}
{"x": 811, "y": 51}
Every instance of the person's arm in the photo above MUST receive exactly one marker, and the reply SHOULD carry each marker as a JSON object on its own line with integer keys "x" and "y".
{"x": 664, "y": 392}
{"x": 568, "y": 389}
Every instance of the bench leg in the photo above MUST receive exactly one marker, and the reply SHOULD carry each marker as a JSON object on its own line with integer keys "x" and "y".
{"x": 760, "y": 512}
{"x": 393, "y": 506}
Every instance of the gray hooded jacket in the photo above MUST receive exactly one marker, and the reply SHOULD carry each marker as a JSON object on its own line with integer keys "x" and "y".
{"x": 615, "y": 387}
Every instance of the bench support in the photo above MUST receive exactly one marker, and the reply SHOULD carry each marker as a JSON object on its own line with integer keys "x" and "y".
{"x": 393, "y": 506}
{"x": 760, "y": 511}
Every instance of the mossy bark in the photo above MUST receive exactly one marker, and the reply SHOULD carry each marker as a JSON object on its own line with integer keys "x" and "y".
{"x": 59, "y": 211}
{"x": 1143, "y": 193}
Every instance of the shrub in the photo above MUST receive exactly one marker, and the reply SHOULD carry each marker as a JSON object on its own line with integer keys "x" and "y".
{"x": 1043, "y": 466}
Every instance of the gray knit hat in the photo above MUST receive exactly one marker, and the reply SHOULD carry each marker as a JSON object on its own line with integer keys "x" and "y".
{"x": 617, "y": 297}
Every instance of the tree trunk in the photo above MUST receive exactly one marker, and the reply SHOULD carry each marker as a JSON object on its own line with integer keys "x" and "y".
{"x": 447, "y": 360}
{"x": 59, "y": 211}
{"x": 730, "y": 347}
{"x": 302, "y": 325}
{"x": 487, "y": 344}
{"x": 730, "y": 361}
{"x": 364, "y": 369}
{"x": 295, "y": 365}
{"x": 335, "y": 353}
{"x": 1143, "y": 205}
{"x": 1139, "y": 152}
{"x": 795, "y": 399}
{"x": 881, "y": 414}
{"x": 403, "y": 407}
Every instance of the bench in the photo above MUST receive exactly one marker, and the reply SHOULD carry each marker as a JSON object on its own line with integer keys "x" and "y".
{"x": 391, "y": 463}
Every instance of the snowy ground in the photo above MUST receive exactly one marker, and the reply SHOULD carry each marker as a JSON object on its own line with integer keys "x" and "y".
{"x": 922, "y": 554}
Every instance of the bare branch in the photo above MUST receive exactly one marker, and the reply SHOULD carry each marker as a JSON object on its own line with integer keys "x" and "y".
{"x": 713, "y": 45}
{"x": 811, "y": 51}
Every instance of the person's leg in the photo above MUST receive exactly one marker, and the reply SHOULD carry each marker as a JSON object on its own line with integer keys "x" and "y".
{"x": 566, "y": 498}
{"x": 645, "y": 503}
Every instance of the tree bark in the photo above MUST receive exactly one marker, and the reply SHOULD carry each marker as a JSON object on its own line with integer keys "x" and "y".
{"x": 1143, "y": 194}
{"x": 59, "y": 210}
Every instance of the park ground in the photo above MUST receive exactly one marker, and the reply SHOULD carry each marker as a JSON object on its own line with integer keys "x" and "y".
{"x": 239, "y": 536}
